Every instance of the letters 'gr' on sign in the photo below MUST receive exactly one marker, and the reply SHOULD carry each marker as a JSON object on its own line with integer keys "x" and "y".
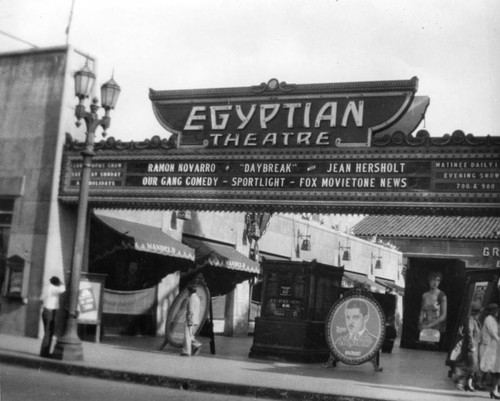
{"x": 281, "y": 115}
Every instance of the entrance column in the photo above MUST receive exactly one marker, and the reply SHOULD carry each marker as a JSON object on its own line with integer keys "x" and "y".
{"x": 236, "y": 311}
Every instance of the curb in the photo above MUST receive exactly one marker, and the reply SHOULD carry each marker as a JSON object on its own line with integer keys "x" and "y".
{"x": 179, "y": 383}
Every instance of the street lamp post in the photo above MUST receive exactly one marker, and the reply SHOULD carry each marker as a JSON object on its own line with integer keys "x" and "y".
{"x": 69, "y": 345}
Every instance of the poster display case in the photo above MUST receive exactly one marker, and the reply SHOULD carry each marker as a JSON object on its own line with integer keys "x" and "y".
{"x": 90, "y": 301}
{"x": 297, "y": 297}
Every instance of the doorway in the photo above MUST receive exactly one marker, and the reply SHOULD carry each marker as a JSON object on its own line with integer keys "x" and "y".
{"x": 453, "y": 271}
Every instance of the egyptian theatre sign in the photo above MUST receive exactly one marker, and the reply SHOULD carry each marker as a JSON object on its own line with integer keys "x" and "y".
{"x": 329, "y": 148}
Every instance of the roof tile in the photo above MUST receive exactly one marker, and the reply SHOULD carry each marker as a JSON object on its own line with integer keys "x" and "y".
{"x": 430, "y": 227}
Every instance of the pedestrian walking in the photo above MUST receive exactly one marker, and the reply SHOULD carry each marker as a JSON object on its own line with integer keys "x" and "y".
{"x": 467, "y": 364}
{"x": 49, "y": 312}
{"x": 191, "y": 345}
{"x": 475, "y": 327}
{"x": 489, "y": 361}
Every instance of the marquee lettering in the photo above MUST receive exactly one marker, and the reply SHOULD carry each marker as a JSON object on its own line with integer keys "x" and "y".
{"x": 272, "y": 139}
{"x": 216, "y": 117}
{"x": 367, "y": 167}
{"x": 464, "y": 165}
{"x": 267, "y": 167}
{"x": 303, "y": 177}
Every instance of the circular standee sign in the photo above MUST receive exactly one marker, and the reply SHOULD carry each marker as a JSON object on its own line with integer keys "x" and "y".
{"x": 355, "y": 328}
{"x": 176, "y": 319}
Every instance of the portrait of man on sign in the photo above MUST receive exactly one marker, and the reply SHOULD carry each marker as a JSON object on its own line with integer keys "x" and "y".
{"x": 358, "y": 339}
{"x": 355, "y": 329}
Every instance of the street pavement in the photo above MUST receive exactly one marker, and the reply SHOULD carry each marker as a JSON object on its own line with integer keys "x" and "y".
{"x": 407, "y": 374}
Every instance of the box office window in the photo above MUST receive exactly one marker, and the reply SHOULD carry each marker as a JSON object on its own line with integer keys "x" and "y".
{"x": 286, "y": 295}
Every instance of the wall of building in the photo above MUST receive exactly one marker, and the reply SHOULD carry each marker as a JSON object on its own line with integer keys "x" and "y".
{"x": 328, "y": 245}
{"x": 36, "y": 110}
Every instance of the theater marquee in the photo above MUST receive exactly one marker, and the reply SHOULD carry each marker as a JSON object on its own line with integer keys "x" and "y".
{"x": 278, "y": 147}
{"x": 278, "y": 115}
{"x": 448, "y": 178}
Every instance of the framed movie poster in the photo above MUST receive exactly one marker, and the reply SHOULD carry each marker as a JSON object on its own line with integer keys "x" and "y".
{"x": 355, "y": 328}
{"x": 90, "y": 300}
{"x": 176, "y": 318}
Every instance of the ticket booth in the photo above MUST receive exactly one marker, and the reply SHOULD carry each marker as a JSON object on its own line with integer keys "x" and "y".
{"x": 296, "y": 299}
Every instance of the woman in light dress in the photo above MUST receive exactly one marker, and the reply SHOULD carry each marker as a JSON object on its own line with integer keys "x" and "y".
{"x": 466, "y": 369}
{"x": 489, "y": 360}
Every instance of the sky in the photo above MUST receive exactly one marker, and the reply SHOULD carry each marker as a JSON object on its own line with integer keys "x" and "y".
{"x": 452, "y": 46}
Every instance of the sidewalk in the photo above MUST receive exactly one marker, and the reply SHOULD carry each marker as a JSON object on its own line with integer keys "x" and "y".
{"x": 407, "y": 375}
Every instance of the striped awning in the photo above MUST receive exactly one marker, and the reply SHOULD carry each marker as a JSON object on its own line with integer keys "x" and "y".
{"x": 147, "y": 239}
{"x": 221, "y": 255}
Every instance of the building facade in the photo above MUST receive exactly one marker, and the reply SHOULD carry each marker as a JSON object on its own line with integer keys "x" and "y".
{"x": 37, "y": 229}
{"x": 36, "y": 109}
